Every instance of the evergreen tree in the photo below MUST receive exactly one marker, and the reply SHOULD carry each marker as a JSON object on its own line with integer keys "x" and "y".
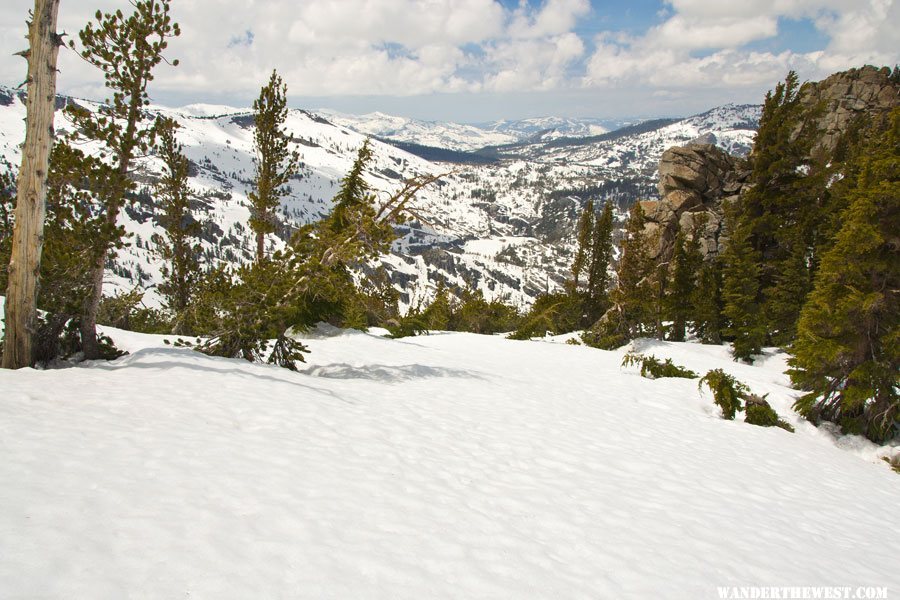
{"x": 847, "y": 351}
{"x": 785, "y": 298}
{"x": 706, "y": 303}
{"x": 585, "y": 239}
{"x": 7, "y": 207}
{"x": 556, "y": 313}
{"x": 633, "y": 298}
{"x": 179, "y": 249}
{"x": 634, "y": 292}
{"x": 76, "y": 185}
{"x": 783, "y": 210}
{"x": 686, "y": 264}
{"x": 437, "y": 315}
{"x": 276, "y": 163}
{"x": 126, "y": 49}
{"x": 241, "y": 309}
{"x": 740, "y": 295}
{"x": 601, "y": 258}
{"x": 376, "y": 302}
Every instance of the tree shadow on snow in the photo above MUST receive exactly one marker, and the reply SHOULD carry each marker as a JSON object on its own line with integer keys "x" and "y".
{"x": 387, "y": 373}
{"x": 235, "y": 367}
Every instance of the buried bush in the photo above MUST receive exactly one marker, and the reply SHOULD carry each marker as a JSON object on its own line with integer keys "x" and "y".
{"x": 760, "y": 413}
{"x": 728, "y": 393}
{"x": 726, "y": 390}
{"x": 653, "y": 368}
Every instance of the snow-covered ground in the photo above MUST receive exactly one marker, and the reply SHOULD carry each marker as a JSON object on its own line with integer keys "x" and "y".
{"x": 441, "y": 466}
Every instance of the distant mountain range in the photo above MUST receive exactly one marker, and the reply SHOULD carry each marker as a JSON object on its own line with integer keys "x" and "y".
{"x": 502, "y": 219}
{"x": 469, "y": 137}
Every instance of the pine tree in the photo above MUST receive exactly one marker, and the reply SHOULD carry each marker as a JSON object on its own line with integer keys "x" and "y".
{"x": 633, "y": 299}
{"x": 706, "y": 303}
{"x": 601, "y": 259}
{"x": 551, "y": 313}
{"x": 686, "y": 263}
{"x": 585, "y": 239}
{"x": 241, "y": 309}
{"x": 847, "y": 351}
{"x": 7, "y": 208}
{"x": 785, "y": 297}
{"x": 437, "y": 315}
{"x": 740, "y": 295}
{"x": 634, "y": 292}
{"x": 784, "y": 208}
{"x": 27, "y": 238}
{"x": 376, "y": 302}
{"x": 179, "y": 249}
{"x": 76, "y": 185}
{"x": 276, "y": 163}
{"x": 126, "y": 49}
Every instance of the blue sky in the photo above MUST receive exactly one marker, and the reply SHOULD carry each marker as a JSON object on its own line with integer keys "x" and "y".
{"x": 479, "y": 60}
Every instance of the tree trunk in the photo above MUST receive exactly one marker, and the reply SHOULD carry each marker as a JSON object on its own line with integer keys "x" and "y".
{"x": 260, "y": 246}
{"x": 89, "y": 344}
{"x": 28, "y": 235}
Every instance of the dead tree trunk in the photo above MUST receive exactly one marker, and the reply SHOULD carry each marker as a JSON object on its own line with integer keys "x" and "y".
{"x": 28, "y": 235}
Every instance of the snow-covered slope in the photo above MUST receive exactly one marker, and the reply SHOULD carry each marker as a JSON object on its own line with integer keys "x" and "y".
{"x": 453, "y": 136}
{"x": 466, "y": 137}
{"x": 445, "y": 466}
{"x": 547, "y": 128}
{"x": 506, "y": 228}
{"x": 732, "y": 127}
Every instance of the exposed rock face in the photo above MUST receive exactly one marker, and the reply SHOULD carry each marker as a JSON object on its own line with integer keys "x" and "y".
{"x": 845, "y": 96}
{"x": 697, "y": 181}
{"x": 694, "y": 182}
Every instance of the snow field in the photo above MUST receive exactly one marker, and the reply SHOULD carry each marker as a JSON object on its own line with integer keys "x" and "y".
{"x": 441, "y": 466}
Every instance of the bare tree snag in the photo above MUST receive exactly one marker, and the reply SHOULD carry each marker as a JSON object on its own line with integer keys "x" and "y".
{"x": 28, "y": 234}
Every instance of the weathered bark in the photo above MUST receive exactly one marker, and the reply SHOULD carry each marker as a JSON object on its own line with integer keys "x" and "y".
{"x": 89, "y": 343}
{"x": 28, "y": 235}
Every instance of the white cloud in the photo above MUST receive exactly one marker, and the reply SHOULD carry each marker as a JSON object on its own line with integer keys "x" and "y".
{"x": 421, "y": 47}
{"x": 533, "y": 64}
{"x": 665, "y": 57}
{"x": 682, "y": 32}
{"x": 554, "y": 18}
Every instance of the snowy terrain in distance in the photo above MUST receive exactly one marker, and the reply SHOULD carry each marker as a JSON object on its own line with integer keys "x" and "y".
{"x": 506, "y": 227}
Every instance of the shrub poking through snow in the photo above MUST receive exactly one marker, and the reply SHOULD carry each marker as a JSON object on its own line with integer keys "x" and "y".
{"x": 726, "y": 390}
{"x": 653, "y": 368}
{"x": 728, "y": 393}
{"x": 759, "y": 412}
{"x": 893, "y": 463}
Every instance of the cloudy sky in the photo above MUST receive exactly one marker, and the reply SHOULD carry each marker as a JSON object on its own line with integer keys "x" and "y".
{"x": 480, "y": 60}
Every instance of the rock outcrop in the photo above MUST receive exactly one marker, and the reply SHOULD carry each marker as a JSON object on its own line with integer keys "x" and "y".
{"x": 843, "y": 97}
{"x": 698, "y": 180}
{"x": 695, "y": 182}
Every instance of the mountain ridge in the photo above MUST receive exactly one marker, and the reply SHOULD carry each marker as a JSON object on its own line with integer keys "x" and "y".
{"x": 505, "y": 227}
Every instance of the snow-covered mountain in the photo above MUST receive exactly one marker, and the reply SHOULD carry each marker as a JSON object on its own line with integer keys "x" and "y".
{"x": 546, "y": 128}
{"x": 468, "y": 137}
{"x": 506, "y": 227}
{"x": 452, "y": 136}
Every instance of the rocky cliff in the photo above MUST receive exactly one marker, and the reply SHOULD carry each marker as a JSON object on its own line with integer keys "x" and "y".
{"x": 696, "y": 181}
{"x": 837, "y": 102}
